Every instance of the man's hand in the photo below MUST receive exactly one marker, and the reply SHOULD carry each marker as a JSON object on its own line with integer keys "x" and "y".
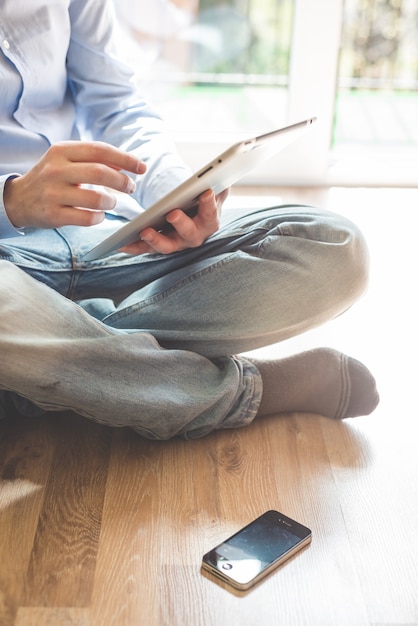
{"x": 187, "y": 232}
{"x": 52, "y": 193}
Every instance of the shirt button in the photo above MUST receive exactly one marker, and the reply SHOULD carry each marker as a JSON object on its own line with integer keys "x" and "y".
{"x": 6, "y": 44}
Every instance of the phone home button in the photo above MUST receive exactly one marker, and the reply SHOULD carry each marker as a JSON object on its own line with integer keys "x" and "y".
{"x": 226, "y": 566}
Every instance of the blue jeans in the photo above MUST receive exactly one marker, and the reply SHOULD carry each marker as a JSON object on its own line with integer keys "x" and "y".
{"x": 152, "y": 341}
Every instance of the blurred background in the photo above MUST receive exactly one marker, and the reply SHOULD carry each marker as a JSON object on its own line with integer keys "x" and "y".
{"x": 221, "y": 70}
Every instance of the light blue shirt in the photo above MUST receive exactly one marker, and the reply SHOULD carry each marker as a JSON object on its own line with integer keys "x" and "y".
{"x": 60, "y": 79}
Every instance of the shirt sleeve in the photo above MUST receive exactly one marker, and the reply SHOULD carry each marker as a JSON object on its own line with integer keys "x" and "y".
{"x": 109, "y": 106}
{"x": 6, "y": 227}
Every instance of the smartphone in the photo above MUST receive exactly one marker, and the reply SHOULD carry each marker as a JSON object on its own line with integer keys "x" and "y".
{"x": 257, "y": 549}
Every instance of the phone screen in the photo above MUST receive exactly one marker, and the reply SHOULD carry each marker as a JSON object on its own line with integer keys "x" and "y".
{"x": 256, "y": 549}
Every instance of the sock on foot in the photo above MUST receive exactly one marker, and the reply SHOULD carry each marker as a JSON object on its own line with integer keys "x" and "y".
{"x": 322, "y": 381}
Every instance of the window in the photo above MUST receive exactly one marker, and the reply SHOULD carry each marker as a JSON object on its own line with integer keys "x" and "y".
{"x": 220, "y": 70}
{"x": 377, "y": 99}
{"x": 217, "y": 66}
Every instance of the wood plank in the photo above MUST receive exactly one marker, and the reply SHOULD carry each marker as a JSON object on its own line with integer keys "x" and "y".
{"x": 151, "y": 501}
{"x": 26, "y": 451}
{"x": 39, "y": 616}
{"x": 63, "y": 558}
{"x": 377, "y": 480}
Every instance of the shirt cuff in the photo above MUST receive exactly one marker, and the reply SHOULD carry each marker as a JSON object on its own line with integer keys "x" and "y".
{"x": 7, "y": 229}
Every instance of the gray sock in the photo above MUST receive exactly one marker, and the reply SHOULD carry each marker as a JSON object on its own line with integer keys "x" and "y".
{"x": 322, "y": 381}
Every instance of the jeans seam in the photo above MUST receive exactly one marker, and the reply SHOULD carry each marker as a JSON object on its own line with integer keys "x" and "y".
{"x": 138, "y": 306}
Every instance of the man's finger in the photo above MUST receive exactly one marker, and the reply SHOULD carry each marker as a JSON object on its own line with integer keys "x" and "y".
{"x": 100, "y": 152}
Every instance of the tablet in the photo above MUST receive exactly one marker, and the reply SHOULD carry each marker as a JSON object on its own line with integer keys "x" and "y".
{"x": 219, "y": 174}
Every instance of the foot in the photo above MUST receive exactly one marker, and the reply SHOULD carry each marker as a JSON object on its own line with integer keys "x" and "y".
{"x": 322, "y": 381}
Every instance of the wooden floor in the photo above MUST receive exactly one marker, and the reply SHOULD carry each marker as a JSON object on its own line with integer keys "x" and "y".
{"x": 101, "y": 527}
